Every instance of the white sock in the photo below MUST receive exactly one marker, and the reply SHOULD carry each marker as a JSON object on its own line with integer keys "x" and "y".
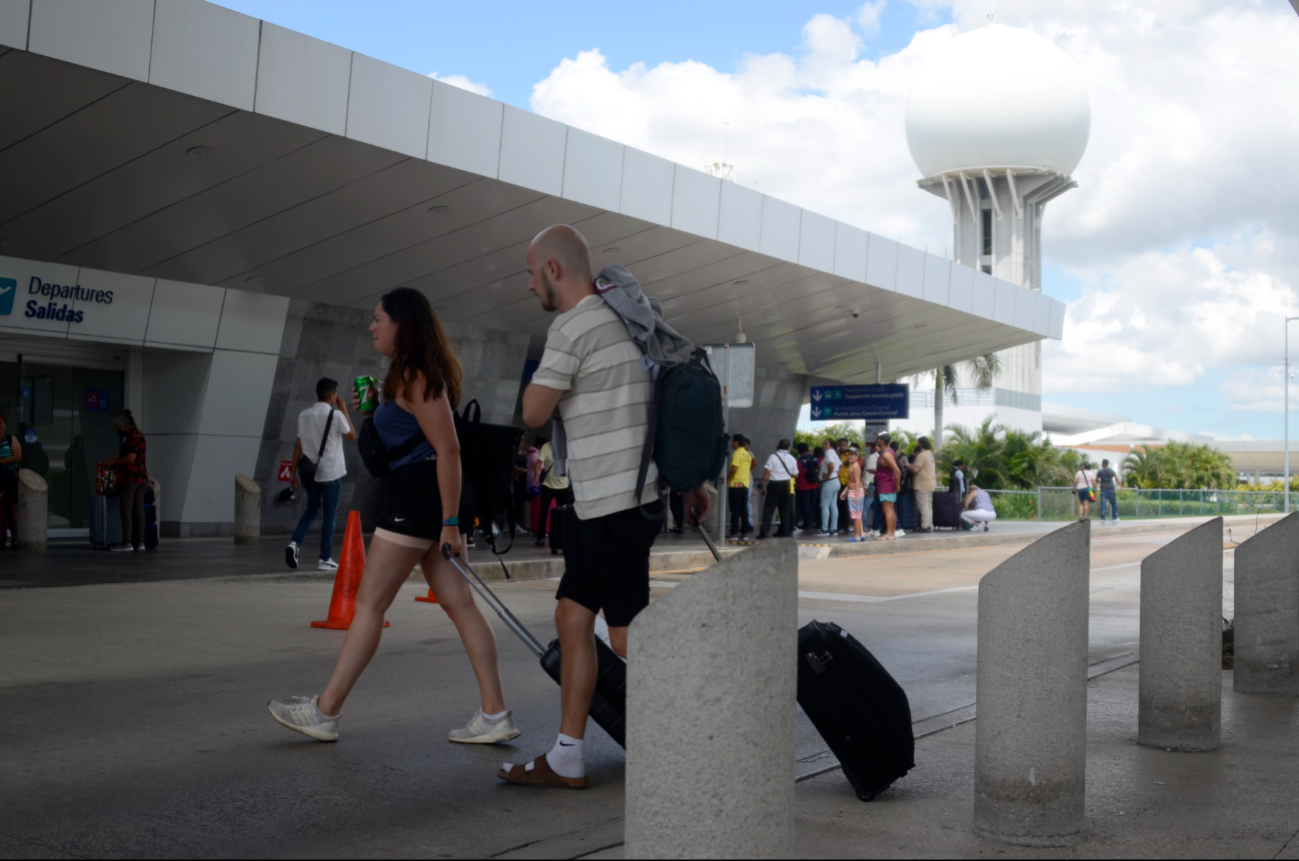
{"x": 565, "y": 758}
{"x": 496, "y": 718}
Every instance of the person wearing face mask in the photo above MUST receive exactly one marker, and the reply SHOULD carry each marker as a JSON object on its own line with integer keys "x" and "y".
{"x": 424, "y": 509}
{"x": 134, "y": 476}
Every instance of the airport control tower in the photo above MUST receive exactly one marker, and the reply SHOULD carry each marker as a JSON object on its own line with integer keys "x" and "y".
{"x": 997, "y": 124}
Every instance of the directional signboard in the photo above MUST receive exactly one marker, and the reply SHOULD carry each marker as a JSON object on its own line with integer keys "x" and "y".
{"x": 885, "y": 401}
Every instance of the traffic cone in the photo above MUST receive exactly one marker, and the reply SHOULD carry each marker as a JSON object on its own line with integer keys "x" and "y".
{"x": 342, "y": 604}
{"x": 428, "y": 599}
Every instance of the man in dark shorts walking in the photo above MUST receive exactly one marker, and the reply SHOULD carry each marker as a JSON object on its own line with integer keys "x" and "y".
{"x": 591, "y": 372}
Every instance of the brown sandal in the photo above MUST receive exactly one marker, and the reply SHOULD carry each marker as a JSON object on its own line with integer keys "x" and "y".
{"x": 542, "y": 775}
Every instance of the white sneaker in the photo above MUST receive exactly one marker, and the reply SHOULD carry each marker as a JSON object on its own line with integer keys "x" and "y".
{"x": 326, "y": 565}
{"x": 875, "y": 533}
{"x": 291, "y": 554}
{"x": 481, "y": 731}
{"x": 304, "y": 716}
{"x": 899, "y": 533}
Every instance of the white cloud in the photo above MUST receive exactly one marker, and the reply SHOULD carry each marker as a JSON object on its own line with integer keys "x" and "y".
{"x": 463, "y": 83}
{"x": 1163, "y": 318}
{"x": 1183, "y": 229}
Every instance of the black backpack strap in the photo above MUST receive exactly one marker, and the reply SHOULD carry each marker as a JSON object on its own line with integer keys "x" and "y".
{"x": 407, "y": 447}
{"x": 647, "y": 454}
{"x": 324, "y": 438}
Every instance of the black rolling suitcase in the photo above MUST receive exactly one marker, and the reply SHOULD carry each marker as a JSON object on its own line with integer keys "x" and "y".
{"x": 860, "y": 711}
{"x": 150, "y": 518}
{"x": 608, "y": 703}
{"x": 947, "y": 510}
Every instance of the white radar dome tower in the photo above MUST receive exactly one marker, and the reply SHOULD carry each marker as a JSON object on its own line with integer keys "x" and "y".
{"x": 997, "y": 122}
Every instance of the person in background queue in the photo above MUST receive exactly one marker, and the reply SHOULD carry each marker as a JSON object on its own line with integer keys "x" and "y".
{"x": 887, "y": 480}
{"x": 855, "y": 493}
{"x": 591, "y": 373}
{"x": 830, "y": 486}
{"x": 807, "y": 487}
{"x": 11, "y": 460}
{"x": 844, "y": 520}
{"x": 426, "y": 505}
{"x": 554, "y": 488}
{"x": 777, "y": 478}
{"x": 903, "y": 506}
{"x": 134, "y": 476}
{"x": 738, "y": 476}
{"x": 327, "y": 487}
{"x": 977, "y": 509}
{"x": 924, "y": 480}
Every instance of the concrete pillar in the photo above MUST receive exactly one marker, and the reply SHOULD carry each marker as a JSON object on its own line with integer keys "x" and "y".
{"x": 1030, "y": 749}
{"x": 248, "y": 511}
{"x": 1181, "y": 642}
{"x": 711, "y": 691}
{"x": 1267, "y": 611}
{"x": 33, "y": 511}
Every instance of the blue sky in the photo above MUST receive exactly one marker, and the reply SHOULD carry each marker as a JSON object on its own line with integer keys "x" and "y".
{"x": 1156, "y": 268}
{"x": 511, "y": 46}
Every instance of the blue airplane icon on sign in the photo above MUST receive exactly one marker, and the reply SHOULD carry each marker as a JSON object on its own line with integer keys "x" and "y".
{"x": 8, "y": 289}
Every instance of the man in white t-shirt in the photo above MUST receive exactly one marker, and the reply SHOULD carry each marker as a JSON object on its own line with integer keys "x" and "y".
{"x": 330, "y": 469}
{"x": 780, "y": 469}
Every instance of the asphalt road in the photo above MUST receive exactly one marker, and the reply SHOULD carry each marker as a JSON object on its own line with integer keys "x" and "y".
{"x": 135, "y": 721}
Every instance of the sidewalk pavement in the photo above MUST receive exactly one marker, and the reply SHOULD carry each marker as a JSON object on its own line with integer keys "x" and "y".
{"x": 1237, "y": 802}
{"x": 74, "y": 563}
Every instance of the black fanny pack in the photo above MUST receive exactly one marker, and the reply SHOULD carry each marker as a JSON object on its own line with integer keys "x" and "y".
{"x": 376, "y": 456}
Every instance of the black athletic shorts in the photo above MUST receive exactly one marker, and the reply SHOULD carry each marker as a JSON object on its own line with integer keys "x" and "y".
{"x": 412, "y": 502}
{"x": 606, "y": 562}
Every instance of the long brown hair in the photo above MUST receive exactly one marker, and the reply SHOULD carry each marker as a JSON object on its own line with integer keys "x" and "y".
{"x": 422, "y": 348}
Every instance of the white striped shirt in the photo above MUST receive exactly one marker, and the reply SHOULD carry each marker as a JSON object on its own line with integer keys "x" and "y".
{"x": 592, "y": 359}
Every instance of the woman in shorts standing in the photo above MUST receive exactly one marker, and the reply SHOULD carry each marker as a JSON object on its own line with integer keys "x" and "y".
{"x": 887, "y": 480}
{"x": 424, "y": 508}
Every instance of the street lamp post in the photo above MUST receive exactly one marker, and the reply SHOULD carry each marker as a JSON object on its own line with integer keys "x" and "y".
{"x": 1285, "y": 487}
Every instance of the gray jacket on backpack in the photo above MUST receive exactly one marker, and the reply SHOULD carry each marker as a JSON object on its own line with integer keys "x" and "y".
{"x": 643, "y": 315}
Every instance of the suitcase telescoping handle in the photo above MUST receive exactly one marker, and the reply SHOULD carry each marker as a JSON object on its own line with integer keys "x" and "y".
{"x": 707, "y": 540}
{"x": 492, "y": 601}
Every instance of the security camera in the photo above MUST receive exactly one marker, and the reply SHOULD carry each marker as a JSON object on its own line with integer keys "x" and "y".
{"x": 856, "y": 312}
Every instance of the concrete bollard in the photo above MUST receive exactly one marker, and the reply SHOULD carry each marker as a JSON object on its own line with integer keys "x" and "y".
{"x": 33, "y": 523}
{"x": 248, "y": 511}
{"x": 1030, "y": 749}
{"x": 711, "y": 691}
{"x": 1267, "y": 611}
{"x": 1180, "y": 705}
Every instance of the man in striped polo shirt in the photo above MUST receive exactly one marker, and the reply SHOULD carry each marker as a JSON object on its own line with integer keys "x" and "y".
{"x": 591, "y": 372}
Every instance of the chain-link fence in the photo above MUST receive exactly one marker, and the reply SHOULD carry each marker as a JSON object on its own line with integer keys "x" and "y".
{"x": 1061, "y": 503}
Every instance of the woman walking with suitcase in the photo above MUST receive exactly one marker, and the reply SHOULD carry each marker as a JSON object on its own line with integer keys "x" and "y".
{"x": 424, "y": 508}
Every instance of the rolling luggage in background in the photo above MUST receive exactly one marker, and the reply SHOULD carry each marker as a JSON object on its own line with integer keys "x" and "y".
{"x": 556, "y": 526}
{"x": 608, "y": 703}
{"x": 860, "y": 711}
{"x": 105, "y": 521}
{"x": 150, "y": 518}
{"x": 947, "y": 510}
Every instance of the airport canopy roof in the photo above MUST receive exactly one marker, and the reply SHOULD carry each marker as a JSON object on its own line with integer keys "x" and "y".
{"x": 176, "y": 139}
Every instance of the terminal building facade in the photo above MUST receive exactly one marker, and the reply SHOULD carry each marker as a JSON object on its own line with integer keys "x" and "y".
{"x": 200, "y": 210}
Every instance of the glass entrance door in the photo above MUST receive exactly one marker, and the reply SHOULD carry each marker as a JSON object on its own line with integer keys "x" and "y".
{"x": 63, "y": 416}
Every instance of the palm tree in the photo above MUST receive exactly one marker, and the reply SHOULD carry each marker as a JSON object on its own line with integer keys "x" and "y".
{"x": 983, "y": 370}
